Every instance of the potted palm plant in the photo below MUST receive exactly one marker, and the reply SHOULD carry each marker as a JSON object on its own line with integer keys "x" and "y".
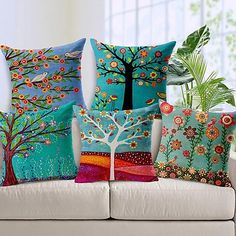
{"x": 188, "y": 69}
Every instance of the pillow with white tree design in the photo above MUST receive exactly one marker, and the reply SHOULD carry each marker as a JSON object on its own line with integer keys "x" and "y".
{"x": 116, "y": 145}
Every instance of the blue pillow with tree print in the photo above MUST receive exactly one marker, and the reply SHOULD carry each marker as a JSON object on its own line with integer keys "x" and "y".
{"x": 45, "y": 78}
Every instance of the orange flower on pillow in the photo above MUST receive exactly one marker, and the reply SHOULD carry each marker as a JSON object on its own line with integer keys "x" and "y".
{"x": 166, "y": 108}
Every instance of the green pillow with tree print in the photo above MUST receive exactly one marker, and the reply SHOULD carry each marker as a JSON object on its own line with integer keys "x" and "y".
{"x": 195, "y": 145}
{"x": 37, "y": 145}
{"x": 130, "y": 77}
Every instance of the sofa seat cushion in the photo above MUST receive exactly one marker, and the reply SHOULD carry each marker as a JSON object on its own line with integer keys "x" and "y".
{"x": 170, "y": 199}
{"x": 55, "y": 200}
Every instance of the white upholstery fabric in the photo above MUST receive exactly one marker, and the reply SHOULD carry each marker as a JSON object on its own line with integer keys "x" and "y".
{"x": 156, "y": 138}
{"x": 169, "y": 199}
{"x": 6, "y": 87}
{"x": 1, "y": 158}
{"x": 232, "y": 171}
{"x": 61, "y": 199}
{"x": 116, "y": 228}
{"x": 232, "y": 167}
{"x": 76, "y": 141}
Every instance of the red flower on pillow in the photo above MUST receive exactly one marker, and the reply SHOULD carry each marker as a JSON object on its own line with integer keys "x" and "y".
{"x": 178, "y": 120}
{"x": 164, "y": 131}
{"x": 187, "y": 112}
{"x": 76, "y": 90}
{"x": 186, "y": 153}
{"x": 23, "y": 61}
{"x": 166, "y": 108}
{"x": 227, "y": 120}
{"x": 109, "y": 81}
{"x": 158, "y": 54}
{"x": 167, "y": 58}
{"x": 219, "y": 149}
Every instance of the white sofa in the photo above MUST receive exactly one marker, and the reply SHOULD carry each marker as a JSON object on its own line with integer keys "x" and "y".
{"x": 167, "y": 207}
{"x": 163, "y": 208}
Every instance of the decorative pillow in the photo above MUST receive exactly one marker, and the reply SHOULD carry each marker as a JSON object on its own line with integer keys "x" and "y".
{"x": 195, "y": 145}
{"x": 123, "y": 73}
{"x": 37, "y": 146}
{"x": 116, "y": 145}
{"x": 45, "y": 78}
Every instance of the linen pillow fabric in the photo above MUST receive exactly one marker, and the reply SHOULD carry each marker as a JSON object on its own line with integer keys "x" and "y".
{"x": 37, "y": 146}
{"x": 45, "y": 78}
{"x": 195, "y": 145}
{"x": 123, "y": 73}
{"x": 116, "y": 145}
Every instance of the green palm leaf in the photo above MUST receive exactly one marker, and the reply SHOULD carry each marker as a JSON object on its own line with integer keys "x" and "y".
{"x": 209, "y": 91}
{"x": 195, "y": 41}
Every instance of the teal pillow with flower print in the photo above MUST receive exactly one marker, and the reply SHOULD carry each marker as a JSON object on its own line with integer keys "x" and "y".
{"x": 125, "y": 73}
{"x": 195, "y": 145}
{"x": 37, "y": 145}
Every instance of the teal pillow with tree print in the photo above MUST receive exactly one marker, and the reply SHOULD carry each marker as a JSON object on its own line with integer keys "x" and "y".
{"x": 37, "y": 146}
{"x": 116, "y": 145}
{"x": 130, "y": 77}
{"x": 195, "y": 145}
{"x": 45, "y": 78}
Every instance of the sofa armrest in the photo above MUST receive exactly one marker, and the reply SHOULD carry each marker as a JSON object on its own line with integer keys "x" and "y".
{"x": 232, "y": 167}
{"x": 232, "y": 171}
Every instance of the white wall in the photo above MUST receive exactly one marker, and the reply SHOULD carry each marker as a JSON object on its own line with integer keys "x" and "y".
{"x": 44, "y": 23}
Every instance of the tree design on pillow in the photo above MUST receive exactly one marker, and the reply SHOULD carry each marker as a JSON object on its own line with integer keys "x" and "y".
{"x": 41, "y": 78}
{"x": 126, "y": 66}
{"x": 20, "y": 134}
{"x": 114, "y": 132}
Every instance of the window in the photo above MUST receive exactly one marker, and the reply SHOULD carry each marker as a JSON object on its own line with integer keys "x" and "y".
{"x": 145, "y": 22}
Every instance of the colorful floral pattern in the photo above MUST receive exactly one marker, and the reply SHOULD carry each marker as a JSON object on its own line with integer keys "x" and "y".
{"x": 37, "y": 146}
{"x": 116, "y": 145}
{"x": 45, "y": 78}
{"x": 195, "y": 145}
{"x": 123, "y": 73}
